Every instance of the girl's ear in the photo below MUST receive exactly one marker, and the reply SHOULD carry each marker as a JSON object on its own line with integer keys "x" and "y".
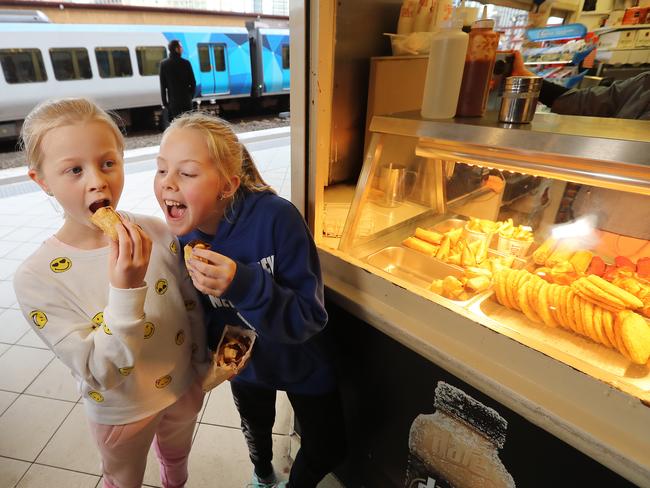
{"x": 33, "y": 174}
{"x": 230, "y": 188}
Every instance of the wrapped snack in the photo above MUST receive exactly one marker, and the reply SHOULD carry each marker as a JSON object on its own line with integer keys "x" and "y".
{"x": 105, "y": 218}
{"x": 420, "y": 246}
{"x": 430, "y": 236}
{"x": 231, "y": 356}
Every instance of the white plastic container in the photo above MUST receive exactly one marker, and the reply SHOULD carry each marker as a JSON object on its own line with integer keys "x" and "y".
{"x": 444, "y": 71}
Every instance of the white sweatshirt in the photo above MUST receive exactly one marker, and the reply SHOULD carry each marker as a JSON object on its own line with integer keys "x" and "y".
{"x": 131, "y": 350}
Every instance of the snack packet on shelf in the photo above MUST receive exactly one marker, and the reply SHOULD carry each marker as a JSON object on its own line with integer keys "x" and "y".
{"x": 232, "y": 354}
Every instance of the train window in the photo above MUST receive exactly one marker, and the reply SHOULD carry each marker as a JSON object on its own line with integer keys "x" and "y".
{"x": 219, "y": 51}
{"x": 285, "y": 56}
{"x": 149, "y": 59}
{"x": 113, "y": 62}
{"x": 22, "y": 65}
{"x": 204, "y": 58}
{"x": 70, "y": 63}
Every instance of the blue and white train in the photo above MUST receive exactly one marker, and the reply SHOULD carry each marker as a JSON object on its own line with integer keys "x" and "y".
{"x": 117, "y": 66}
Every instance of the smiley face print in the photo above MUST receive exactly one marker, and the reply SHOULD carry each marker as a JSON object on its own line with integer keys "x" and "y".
{"x": 180, "y": 337}
{"x": 39, "y": 318}
{"x": 107, "y": 330}
{"x": 96, "y": 396}
{"x": 60, "y": 265}
{"x": 163, "y": 381}
{"x": 161, "y": 286}
{"x": 98, "y": 320}
{"x": 149, "y": 329}
{"x": 126, "y": 371}
{"x": 173, "y": 247}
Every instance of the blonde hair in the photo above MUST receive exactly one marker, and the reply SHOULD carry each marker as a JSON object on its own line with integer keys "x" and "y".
{"x": 229, "y": 155}
{"x": 53, "y": 114}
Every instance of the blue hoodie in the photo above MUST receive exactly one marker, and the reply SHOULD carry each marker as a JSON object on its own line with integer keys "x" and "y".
{"x": 277, "y": 291}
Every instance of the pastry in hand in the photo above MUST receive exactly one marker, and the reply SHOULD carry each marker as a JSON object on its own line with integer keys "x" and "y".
{"x": 105, "y": 218}
{"x": 187, "y": 250}
{"x": 232, "y": 351}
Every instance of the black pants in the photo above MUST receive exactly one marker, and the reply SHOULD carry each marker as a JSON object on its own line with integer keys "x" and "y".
{"x": 322, "y": 438}
{"x": 179, "y": 108}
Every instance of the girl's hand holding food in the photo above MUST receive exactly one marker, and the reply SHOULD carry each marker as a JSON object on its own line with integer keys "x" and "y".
{"x": 214, "y": 277}
{"x": 129, "y": 256}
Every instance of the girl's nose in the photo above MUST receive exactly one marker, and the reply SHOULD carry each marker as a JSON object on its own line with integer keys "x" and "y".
{"x": 96, "y": 180}
{"x": 168, "y": 182}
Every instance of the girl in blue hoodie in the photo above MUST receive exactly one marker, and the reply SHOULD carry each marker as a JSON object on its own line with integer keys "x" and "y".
{"x": 262, "y": 273}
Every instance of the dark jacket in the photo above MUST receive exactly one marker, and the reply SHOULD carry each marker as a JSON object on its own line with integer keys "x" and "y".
{"x": 626, "y": 99}
{"x": 177, "y": 84}
{"x": 277, "y": 291}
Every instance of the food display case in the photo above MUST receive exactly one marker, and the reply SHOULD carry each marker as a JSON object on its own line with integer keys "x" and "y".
{"x": 474, "y": 224}
{"x": 460, "y": 229}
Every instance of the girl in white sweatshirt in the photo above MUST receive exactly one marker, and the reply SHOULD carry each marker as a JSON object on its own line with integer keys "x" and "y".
{"x": 122, "y": 315}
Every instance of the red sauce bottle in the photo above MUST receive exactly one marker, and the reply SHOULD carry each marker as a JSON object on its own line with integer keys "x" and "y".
{"x": 479, "y": 63}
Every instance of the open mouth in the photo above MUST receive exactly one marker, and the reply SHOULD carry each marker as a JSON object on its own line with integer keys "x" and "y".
{"x": 175, "y": 209}
{"x": 104, "y": 202}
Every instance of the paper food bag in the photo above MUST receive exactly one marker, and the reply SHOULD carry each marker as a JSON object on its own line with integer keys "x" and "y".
{"x": 231, "y": 356}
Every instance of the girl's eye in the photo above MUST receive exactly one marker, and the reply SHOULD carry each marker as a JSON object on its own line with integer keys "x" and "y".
{"x": 109, "y": 164}
{"x": 76, "y": 170}
{"x": 161, "y": 171}
{"x": 188, "y": 175}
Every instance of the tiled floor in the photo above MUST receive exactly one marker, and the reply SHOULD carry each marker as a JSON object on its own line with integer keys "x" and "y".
{"x": 44, "y": 439}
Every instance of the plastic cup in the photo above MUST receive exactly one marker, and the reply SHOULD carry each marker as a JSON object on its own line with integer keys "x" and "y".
{"x": 516, "y": 247}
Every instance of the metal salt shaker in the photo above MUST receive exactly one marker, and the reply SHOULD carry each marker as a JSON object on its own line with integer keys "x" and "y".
{"x": 520, "y": 99}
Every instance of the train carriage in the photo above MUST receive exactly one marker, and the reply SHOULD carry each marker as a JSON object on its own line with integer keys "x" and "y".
{"x": 117, "y": 65}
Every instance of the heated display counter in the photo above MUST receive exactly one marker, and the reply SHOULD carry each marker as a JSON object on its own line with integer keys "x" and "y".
{"x": 517, "y": 259}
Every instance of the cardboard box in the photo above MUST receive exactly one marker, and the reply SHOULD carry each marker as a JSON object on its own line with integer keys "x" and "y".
{"x": 639, "y": 56}
{"x": 642, "y": 38}
{"x": 613, "y": 57}
{"x": 619, "y": 39}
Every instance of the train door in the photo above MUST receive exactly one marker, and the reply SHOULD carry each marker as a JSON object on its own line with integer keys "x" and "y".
{"x": 213, "y": 65}
{"x": 285, "y": 66}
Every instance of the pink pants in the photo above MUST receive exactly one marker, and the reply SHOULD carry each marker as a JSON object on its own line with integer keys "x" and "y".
{"x": 124, "y": 448}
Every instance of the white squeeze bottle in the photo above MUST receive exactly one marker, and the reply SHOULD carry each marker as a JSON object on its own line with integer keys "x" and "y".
{"x": 445, "y": 70}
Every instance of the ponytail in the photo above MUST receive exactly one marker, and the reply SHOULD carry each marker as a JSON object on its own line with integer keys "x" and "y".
{"x": 250, "y": 177}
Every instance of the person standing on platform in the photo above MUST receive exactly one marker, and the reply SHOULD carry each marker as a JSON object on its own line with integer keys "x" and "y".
{"x": 177, "y": 82}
